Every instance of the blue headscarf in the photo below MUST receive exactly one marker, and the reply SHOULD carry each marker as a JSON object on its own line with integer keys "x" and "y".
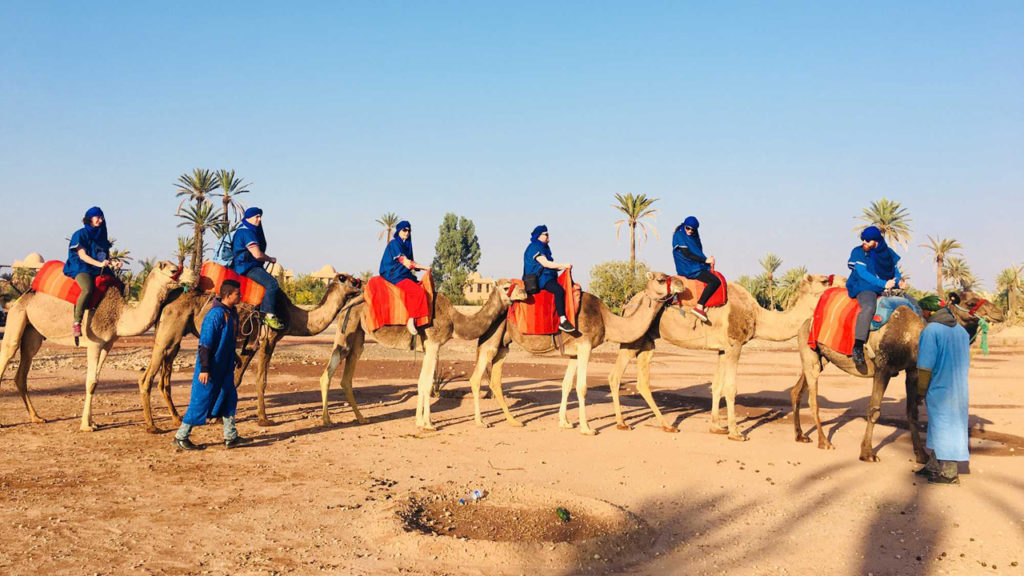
{"x": 535, "y": 242}
{"x": 261, "y": 238}
{"x": 405, "y": 245}
{"x": 870, "y": 233}
{"x": 97, "y": 234}
{"x": 883, "y": 259}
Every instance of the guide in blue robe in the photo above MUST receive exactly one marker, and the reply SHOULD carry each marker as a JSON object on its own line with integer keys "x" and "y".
{"x": 218, "y": 397}
{"x": 944, "y": 350}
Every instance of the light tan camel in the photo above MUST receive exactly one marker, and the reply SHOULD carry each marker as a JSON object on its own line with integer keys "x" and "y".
{"x": 185, "y": 314}
{"x": 36, "y": 317}
{"x": 596, "y": 325}
{"x": 739, "y": 321}
{"x": 447, "y": 323}
{"x": 890, "y": 350}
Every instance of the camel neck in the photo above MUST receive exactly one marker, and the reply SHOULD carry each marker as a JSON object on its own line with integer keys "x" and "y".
{"x": 135, "y": 320}
{"x": 625, "y": 329}
{"x": 303, "y": 322}
{"x": 476, "y": 325}
{"x": 776, "y": 326}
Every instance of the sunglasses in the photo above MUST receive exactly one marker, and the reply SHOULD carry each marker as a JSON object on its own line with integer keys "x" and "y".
{"x": 688, "y": 228}
{"x": 405, "y": 230}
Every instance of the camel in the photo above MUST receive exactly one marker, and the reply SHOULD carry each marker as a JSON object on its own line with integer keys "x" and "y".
{"x": 890, "y": 350}
{"x": 595, "y": 326}
{"x": 185, "y": 315}
{"x": 36, "y": 317}
{"x": 739, "y": 321}
{"x": 447, "y": 323}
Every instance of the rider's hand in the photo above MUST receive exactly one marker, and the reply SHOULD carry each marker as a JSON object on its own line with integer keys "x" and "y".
{"x": 711, "y": 260}
{"x": 566, "y": 266}
{"x": 204, "y": 378}
{"x": 271, "y": 259}
{"x": 889, "y": 285}
{"x": 903, "y": 284}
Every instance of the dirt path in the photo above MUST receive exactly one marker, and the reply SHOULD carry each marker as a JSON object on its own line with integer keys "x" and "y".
{"x": 371, "y": 499}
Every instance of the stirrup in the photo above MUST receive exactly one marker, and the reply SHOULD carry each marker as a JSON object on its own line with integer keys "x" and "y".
{"x": 273, "y": 322}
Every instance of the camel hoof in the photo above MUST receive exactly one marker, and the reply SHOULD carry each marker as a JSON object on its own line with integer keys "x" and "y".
{"x": 565, "y": 425}
{"x": 88, "y": 428}
{"x": 38, "y": 420}
{"x": 428, "y": 427}
{"x": 326, "y": 423}
{"x": 869, "y": 458}
{"x": 803, "y": 439}
{"x": 623, "y": 426}
{"x": 516, "y": 423}
{"x": 718, "y": 430}
{"x": 265, "y": 422}
{"x": 363, "y": 420}
{"x": 587, "y": 432}
{"x": 482, "y": 424}
{"x": 738, "y": 437}
{"x": 153, "y": 430}
{"x": 671, "y": 429}
{"x": 825, "y": 446}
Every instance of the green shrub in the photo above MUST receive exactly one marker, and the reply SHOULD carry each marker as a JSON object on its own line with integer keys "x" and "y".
{"x": 616, "y": 282}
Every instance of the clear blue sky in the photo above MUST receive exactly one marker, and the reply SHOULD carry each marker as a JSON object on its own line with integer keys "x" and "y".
{"x": 774, "y": 123}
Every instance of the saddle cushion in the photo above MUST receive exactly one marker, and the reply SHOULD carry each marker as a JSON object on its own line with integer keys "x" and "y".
{"x": 693, "y": 289}
{"x": 835, "y": 318}
{"x": 385, "y": 305}
{"x": 212, "y": 275}
{"x": 51, "y": 280}
{"x": 537, "y": 314}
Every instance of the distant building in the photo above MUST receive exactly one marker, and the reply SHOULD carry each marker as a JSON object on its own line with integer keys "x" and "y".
{"x": 32, "y": 262}
{"x": 325, "y": 274}
{"x": 477, "y": 289}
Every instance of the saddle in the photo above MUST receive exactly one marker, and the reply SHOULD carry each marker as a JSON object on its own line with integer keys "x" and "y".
{"x": 692, "y": 290}
{"x": 537, "y": 316}
{"x": 835, "y": 318}
{"x": 386, "y": 307}
{"x": 51, "y": 280}
{"x": 212, "y": 275}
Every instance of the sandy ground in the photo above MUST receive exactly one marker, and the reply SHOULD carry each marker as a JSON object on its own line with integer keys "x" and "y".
{"x": 373, "y": 499}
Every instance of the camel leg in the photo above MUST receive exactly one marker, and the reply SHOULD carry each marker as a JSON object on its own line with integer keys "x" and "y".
{"x": 17, "y": 320}
{"x": 159, "y": 364}
{"x": 31, "y": 341}
{"x": 717, "y": 381}
{"x": 426, "y": 382}
{"x": 615, "y": 381}
{"x": 484, "y": 357}
{"x": 643, "y": 385}
{"x": 583, "y": 359}
{"x": 880, "y": 382}
{"x": 266, "y": 352}
{"x": 732, "y": 361}
{"x": 93, "y": 352}
{"x": 166, "y": 371}
{"x": 913, "y": 406}
{"x": 338, "y": 355}
{"x": 245, "y": 356}
{"x": 570, "y": 372}
{"x": 496, "y": 385}
{"x": 355, "y": 351}
{"x": 795, "y": 398}
{"x": 812, "y": 401}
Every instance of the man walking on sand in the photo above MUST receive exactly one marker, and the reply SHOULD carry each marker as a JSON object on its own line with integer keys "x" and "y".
{"x": 943, "y": 359}
{"x": 213, "y": 388}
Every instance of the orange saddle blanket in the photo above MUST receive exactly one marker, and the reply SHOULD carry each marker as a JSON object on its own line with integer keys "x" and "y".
{"x": 213, "y": 275}
{"x": 385, "y": 306}
{"x": 51, "y": 280}
{"x": 536, "y": 314}
{"x": 833, "y": 321}
{"x": 694, "y": 288}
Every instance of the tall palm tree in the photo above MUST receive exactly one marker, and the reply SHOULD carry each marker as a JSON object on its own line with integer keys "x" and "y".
{"x": 194, "y": 189}
{"x": 185, "y": 245}
{"x": 941, "y": 248}
{"x": 959, "y": 273}
{"x": 1011, "y": 281}
{"x": 636, "y": 209}
{"x": 388, "y": 222}
{"x": 230, "y": 187}
{"x": 770, "y": 264}
{"x": 201, "y": 217}
{"x": 891, "y": 218}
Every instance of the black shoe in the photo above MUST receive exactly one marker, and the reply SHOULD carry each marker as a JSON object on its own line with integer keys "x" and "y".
{"x": 944, "y": 480}
{"x": 925, "y": 472}
{"x": 858, "y": 358}
{"x": 185, "y": 444}
{"x": 565, "y": 326}
{"x": 237, "y": 441}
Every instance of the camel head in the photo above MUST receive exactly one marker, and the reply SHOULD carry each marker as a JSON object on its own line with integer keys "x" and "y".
{"x": 816, "y": 284}
{"x": 187, "y": 277}
{"x": 968, "y": 307}
{"x": 510, "y": 291}
{"x": 661, "y": 286}
{"x": 350, "y": 284}
{"x": 166, "y": 273}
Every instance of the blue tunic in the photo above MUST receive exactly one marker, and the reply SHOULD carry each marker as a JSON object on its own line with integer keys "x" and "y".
{"x": 244, "y": 260}
{"x": 869, "y": 271}
{"x": 532, "y": 266}
{"x": 390, "y": 266}
{"x": 95, "y": 245}
{"x": 945, "y": 350}
{"x": 218, "y": 397}
{"x": 686, "y": 266}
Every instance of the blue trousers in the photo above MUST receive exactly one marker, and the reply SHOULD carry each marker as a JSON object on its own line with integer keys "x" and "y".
{"x": 263, "y": 278}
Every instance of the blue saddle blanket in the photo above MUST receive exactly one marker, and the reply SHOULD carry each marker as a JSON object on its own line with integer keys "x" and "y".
{"x": 887, "y": 305}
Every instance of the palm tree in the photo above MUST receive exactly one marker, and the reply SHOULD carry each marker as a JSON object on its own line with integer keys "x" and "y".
{"x": 195, "y": 189}
{"x": 770, "y": 263}
{"x": 1011, "y": 281}
{"x": 201, "y": 217}
{"x": 117, "y": 254}
{"x": 959, "y": 273}
{"x": 941, "y": 248}
{"x": 636, "y": 208}
{"x": 789, "y": 285}
{"x": 388, "y": 222}
{"x": 891, "y": 218}
{"x": 185, "y": 245}
{"x": 230, "y": 187}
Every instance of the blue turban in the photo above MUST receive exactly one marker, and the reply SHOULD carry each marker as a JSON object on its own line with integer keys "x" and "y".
{"x": 94, "y": 212}
{"x": 537, "y": 232}
{"x": 252, "y": 211}
{"x": 692, "y": 222}
{"x": 871, "y": 233}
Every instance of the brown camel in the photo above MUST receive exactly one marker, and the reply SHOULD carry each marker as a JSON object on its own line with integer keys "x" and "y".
{"x": 36, "y": 317}
{"x": 448, "y": 322}
{"x": 890, "y": 350}
{"x": 739, "y": 321}
{"x": 185, "y": 315}
{"x": 595, "y": 326}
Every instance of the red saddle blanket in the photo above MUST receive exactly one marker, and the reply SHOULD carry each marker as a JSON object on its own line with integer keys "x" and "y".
{"x": 385, "y": 306}
{"x": 833, "y": 321}
{"x": 694, "y": 288}
{"x": 212, "y": 275}
{"x": 51, "y": 280}
{"x": 536, "y": 314}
